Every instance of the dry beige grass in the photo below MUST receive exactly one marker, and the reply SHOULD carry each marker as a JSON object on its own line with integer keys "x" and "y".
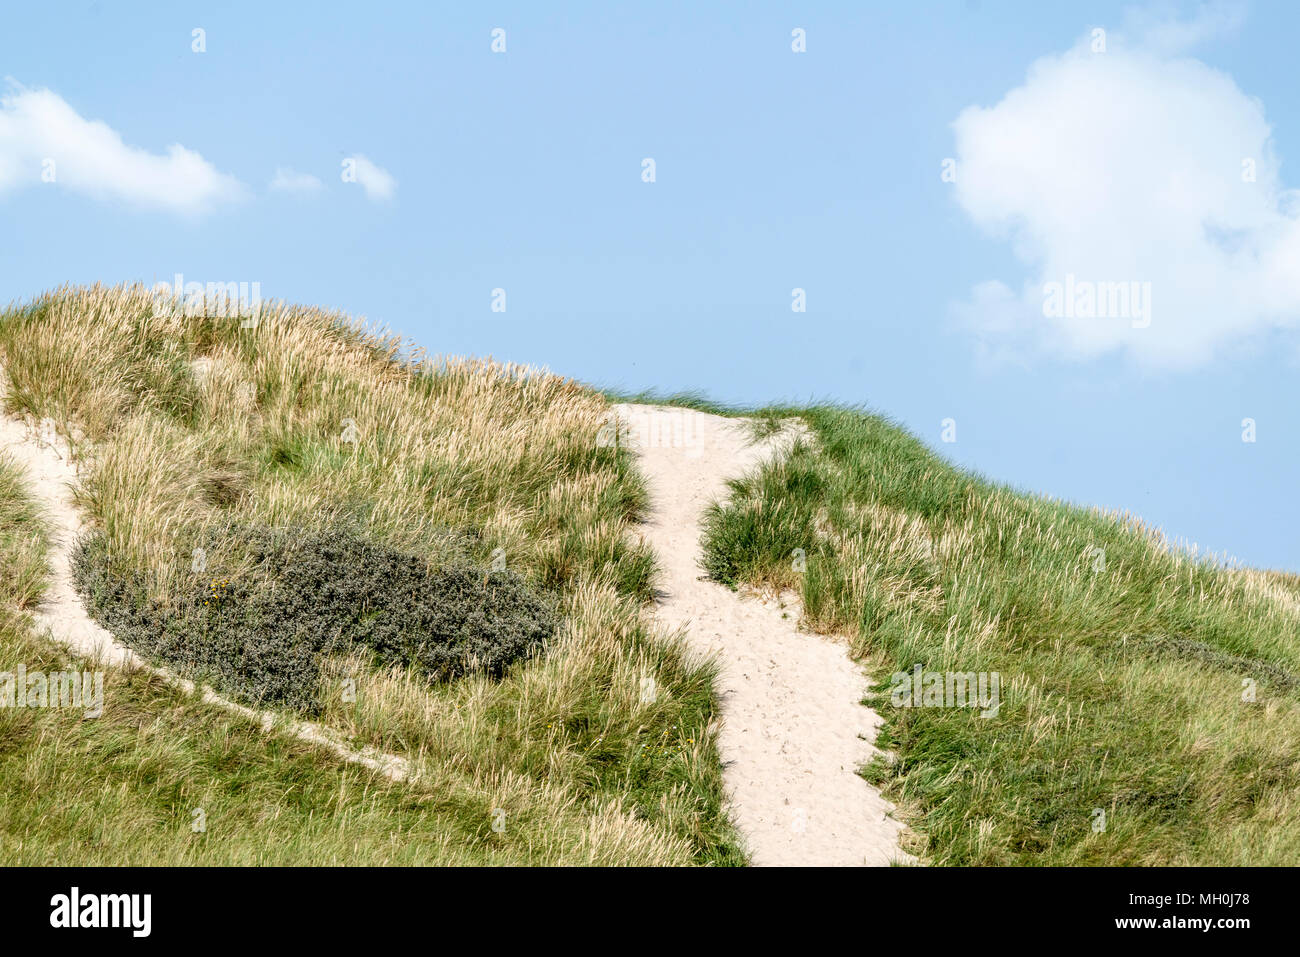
{"x": 188, "y": 423}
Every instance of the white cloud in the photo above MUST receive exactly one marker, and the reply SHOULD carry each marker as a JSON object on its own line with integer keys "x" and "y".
{"x": 37, "y": 128}
{"x": 291, "y": 181}
{"x": 378, "y": 183}
{"x": 1127, "y": 166}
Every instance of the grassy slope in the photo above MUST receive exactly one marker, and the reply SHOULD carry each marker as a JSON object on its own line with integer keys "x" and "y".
{"x": 503, "y": 457}
{"x": 1122, "y": 683}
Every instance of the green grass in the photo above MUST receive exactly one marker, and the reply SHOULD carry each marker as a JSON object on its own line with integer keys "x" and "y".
{"x": 186, "y": 426}
{"x": 1122, "y": 669}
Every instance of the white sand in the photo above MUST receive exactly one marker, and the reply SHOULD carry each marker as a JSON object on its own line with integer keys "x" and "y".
{"x": 51, "y": 476}
{"x": 793, "y": 730}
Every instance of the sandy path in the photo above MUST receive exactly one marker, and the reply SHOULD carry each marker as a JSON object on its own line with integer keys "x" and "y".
{"x": 793, "y": 731}
{"x": 51, "y": 476}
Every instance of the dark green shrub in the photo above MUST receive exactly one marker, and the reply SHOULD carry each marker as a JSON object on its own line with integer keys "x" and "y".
{"x": 261, "y": 635}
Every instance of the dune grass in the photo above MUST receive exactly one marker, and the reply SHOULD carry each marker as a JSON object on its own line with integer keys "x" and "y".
{"x": 1126, "y": 664}
{"x": 188, "y": 424}
{"x": 1137, "y": 680}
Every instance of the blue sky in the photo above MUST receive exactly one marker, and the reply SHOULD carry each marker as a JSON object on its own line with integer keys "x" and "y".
{"x": 774, "y": 170}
